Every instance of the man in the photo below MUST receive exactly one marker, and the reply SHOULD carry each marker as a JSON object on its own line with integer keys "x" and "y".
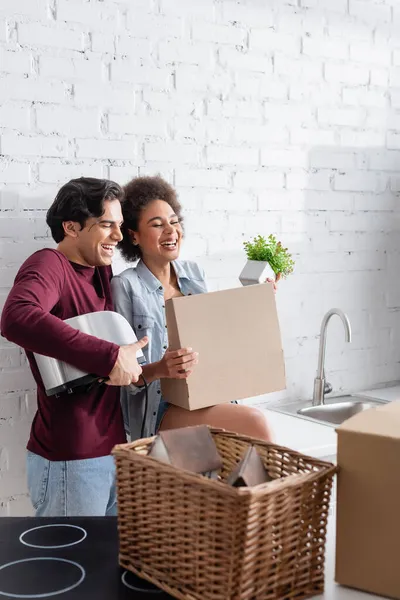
{"x": 69, "y": 466}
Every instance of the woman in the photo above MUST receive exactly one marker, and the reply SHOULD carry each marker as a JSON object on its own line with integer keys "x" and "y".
{"x": 152, "y": 233}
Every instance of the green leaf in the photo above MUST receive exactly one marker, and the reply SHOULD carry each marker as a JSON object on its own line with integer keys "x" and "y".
{"x": 271, "y": 251}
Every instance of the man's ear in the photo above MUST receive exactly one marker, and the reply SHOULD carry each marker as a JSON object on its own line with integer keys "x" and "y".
{"x": 71, "y": 228}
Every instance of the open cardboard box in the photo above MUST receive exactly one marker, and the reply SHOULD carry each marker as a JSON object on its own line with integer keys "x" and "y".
{"x": 368, "y": 501}
{"x": 236, "y": 333}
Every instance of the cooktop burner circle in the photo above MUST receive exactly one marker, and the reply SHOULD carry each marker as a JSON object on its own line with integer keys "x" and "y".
{"x": 136, "y": 588}
{"x": 68, "y": 531}
{"x": 33, "y": 577}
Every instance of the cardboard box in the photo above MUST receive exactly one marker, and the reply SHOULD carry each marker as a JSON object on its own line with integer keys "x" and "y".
{"x": 368, "y": 501}
{"x": 236, "y": 333}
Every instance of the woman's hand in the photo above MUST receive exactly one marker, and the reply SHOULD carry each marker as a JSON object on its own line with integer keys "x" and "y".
{"x": 177, "y": 364}
{"x": 273, "y": 283}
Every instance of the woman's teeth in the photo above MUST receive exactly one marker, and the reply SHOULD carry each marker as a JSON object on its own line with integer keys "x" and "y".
{"x": 169, "y": 244}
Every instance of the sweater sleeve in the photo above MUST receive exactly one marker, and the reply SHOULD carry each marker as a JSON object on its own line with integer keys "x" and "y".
{"x": 27, "y": 321}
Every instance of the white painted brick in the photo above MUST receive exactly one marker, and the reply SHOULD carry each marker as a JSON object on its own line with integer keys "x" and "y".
{"x": 3, "y": 30}
{"x": 35, "y": 34}
{"x": 304, "y": 68}
{"x": 394, "y": 77}
{"x": 279, "y": 200}
{"x": 190, "y": 129}
{"x": 360, "y": 182}
{"x": 14, "y": 117}
{"x": 358, "y": 222}
{"x": 270, "y": 180}
{"x": 307, "y": 137}
{"x": 377, "y": 118}
{"x": 194, "y": 53}
{"x": 250, "y": 224}
{"x": 370, "y": 11}
{"x": 230, "y": 201}
{"x": 61, "y": 173}
{"x": 326, "y": 200}
{"x": 395, "y": 184}
{"x": 318, "y": 94}
{"x": 384, "y": 160}
{"x": 348, "y": 28}
{"x": 68, "y": 121}
{"x": 346, "y": 73}
{"x": 33, "y": 8}
{"x": 234, "y": 58}
{"x": 22, "y": 145}
{"x": 15, "y": 62}
{"x": 331, "y": 158}
{"x": 351, "y": 117}
{"x": 163, "y": 169}
{"x": 123, "y": 174}
{"x": 299, "y": 222}
{"x": 107, "y": 149}
{"x": 371, "y": 54}
{"x": 33, "y": 90}
{"x": 71, "y": 68}
{"x": 14, "y": 380}
{"x": 191, "y": 78}
{"x": 396, "y": 58}
{"x": 172, "y": 152}
{"x": 168, "y": 102}
{"x": 153, "y": 125}
{"x": 303, "y": 180}
{"x": 325, "y": 46}
{"x": 362, "y": 96}
{"x": 20, "y": 507}
{"x": 103, "y": 42}
{"x": 142, "y": 25}
{"x": 252, "y": 132}
{"x": 10, "y": 405}
{"x": 95, "y": 15}
{"x": 395, "y": 98}
{"x": 210, "y": 32}
{"x": 132, "y": 72}
{"x": 289, "y": 114}
{"x": 339, "y": 6}
{"x": 231, "y": 108}
{"x": 273, "y": 41}
{"x": 14, "y": 172}
{"x": 362, "y": 138}
{"x": 274, "y": 157}
{"x": 393, "y": 140}
{"x": 231, "y": 155}
{"x": 131, "y": 46}
{"x": 248, "y": 15}
{"x": 201, "y": 178}
{"x": 111, "y": 96}
{"x": 204, "y": 10}
{"x": 379, "y": 77}
{"x": 256, "y": 85}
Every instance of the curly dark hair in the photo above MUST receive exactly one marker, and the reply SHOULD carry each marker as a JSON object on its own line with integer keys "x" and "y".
{"x": 138, "y": 193}
{"x": 78, "y": 200}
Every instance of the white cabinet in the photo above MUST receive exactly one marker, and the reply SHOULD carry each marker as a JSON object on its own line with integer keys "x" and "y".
{"x": 302, "y": 435}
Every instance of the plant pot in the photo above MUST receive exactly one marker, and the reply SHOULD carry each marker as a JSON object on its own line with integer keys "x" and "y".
{"x": 256, "y": 271}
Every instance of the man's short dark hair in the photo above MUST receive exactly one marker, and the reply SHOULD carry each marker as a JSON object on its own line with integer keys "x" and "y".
{"x": 78, "y": 200}
{"x": 138, "y": 193}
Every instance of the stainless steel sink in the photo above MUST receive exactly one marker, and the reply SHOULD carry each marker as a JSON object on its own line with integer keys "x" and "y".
{"x": 337, "y": 412}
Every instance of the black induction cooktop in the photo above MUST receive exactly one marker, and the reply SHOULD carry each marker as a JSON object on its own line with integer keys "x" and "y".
{"x": 66, "y": 558}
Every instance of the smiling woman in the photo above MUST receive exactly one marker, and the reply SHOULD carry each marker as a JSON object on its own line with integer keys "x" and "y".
{"x": 153, "y": 232}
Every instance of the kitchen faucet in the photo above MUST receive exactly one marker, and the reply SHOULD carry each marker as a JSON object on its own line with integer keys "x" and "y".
{"x": 319, "y": 381}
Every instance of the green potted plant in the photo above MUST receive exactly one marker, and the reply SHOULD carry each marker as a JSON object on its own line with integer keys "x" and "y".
{"x": 266, "y": 259}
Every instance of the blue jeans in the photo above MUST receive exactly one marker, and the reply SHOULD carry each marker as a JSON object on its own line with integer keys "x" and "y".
{"x": 72, "y": 488}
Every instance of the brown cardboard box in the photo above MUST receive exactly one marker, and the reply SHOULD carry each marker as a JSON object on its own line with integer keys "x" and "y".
{"x": 368, "y": 501}
{"x": 236, "y": 333}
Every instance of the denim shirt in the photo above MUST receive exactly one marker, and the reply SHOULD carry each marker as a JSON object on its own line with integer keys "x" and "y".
{"x": 139, "y": 296}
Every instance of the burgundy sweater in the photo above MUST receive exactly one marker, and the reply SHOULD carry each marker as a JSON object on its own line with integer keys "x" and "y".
{"x": 48, "y": 289}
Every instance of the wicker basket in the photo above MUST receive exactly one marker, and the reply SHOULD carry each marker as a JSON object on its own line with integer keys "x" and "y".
{"x": 199, "y": 539}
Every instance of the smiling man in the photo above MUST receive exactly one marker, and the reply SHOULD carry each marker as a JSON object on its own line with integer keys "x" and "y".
{"x": 69, "y": 466}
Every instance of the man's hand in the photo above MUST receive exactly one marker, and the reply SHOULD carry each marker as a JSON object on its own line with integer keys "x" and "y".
{"x": 177, "y": 364}
{"x": 127, "y": 369}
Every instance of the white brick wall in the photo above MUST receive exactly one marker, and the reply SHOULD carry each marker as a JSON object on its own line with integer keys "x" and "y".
{"x": 268, "y": 116}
